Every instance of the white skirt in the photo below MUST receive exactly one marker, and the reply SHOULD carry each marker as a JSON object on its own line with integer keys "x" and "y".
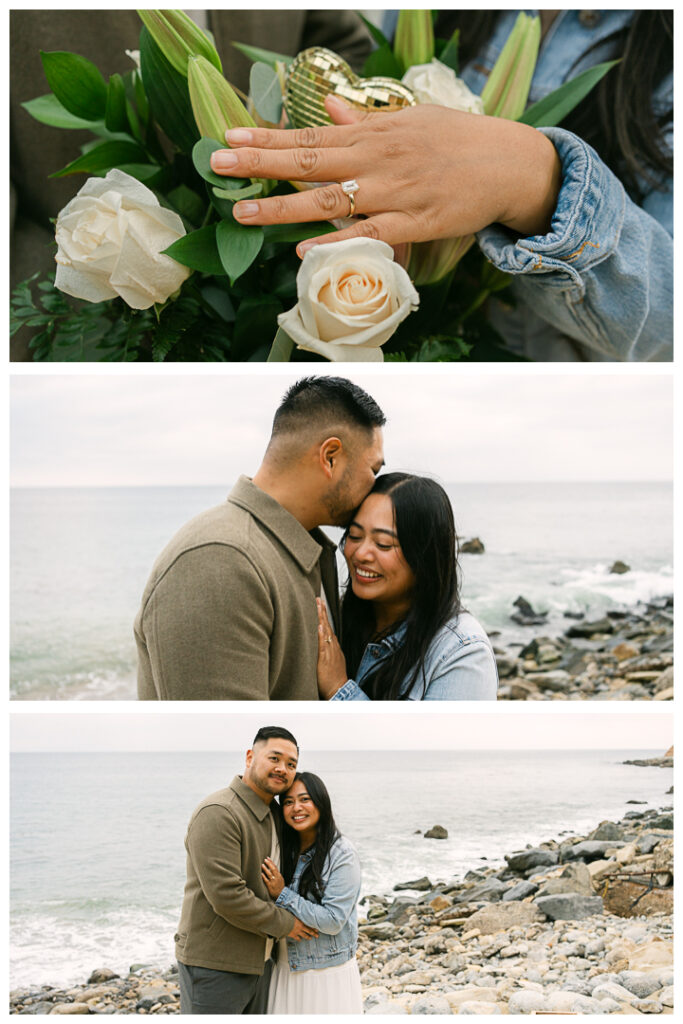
{"x": 325, "y": 990}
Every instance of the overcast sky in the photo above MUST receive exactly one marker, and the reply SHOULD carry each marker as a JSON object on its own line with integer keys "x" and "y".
{"x": 416, "y": 728}
{"x": 184, "y": 429}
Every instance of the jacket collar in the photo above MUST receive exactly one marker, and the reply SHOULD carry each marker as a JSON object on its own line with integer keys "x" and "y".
{"x": 303, "y": 546}
{"x": 393, "y": 641}
{"x": 247, "y": 795}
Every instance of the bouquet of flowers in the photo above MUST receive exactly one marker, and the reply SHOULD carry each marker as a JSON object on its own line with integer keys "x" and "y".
{"x": 161, "y": 267}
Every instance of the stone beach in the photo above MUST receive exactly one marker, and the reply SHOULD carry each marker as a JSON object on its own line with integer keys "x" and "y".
{"x": 578, "y": 924}
{"x": 622, "y": 655}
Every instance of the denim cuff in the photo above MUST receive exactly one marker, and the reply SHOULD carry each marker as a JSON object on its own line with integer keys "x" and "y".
{"x": 586, "y": 224}
{"x": 350, "y": 691}
{"x": 284, "y": 897}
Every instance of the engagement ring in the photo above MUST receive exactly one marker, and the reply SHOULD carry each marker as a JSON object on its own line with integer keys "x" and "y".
{"x": 349, "y": 188}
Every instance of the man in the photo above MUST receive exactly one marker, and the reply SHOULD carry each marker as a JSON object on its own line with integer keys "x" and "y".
{"x": 229, "y": 612}
{"x": 228, "y": 920}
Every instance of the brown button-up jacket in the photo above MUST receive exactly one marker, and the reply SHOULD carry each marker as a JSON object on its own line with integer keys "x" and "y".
{"x": 229, "y": 610}
{"x": 227, "y": 911}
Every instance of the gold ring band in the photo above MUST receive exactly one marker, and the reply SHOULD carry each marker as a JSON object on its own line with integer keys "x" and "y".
{"x": 349, "y": 188}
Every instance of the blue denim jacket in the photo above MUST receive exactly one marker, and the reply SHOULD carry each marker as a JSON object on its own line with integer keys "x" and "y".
{"x": 336, "y": 918}
{"x": 599, "y": 285}
{"x": 460, "y": 664}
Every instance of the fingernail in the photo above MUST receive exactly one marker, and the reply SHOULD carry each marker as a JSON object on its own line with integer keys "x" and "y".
{"x": 337, "y": 99}
{"x": 238, "y": 135}
{"x": 303, "y": 247}
{"x": 223, "y": 158}
{"x": 245, "y": 209}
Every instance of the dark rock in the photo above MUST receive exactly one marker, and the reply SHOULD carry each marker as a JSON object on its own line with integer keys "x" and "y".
{"x": 437, "y": 832}
{"x": 519, "y": 891}
{"x": 526, "y": 616}
{"x": 646, "y": 843}
{"x": 607, "y": 830}
{"x": 620, "y": 567}
{"x": 472, "y": 547}
{"x": 588, "y": 850}
{"x": 574, "y": 615}
{"x": 569, "y": 906}
{"x": 587, "y": 629}
{"x": 636, "y": 801}
{"x": 531, "y": 859}
{"x": 102, "y": 974}
{"x": 575, "y": 878}
{"x": 421, "y": 884}
{"x": 665, "y": 821}
{"x": 491, "y": 890}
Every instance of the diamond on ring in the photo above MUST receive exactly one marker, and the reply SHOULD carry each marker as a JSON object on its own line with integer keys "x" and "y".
{"x": 350, "y": 186}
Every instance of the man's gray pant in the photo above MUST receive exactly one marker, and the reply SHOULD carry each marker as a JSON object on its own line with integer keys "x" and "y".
{"x": 203, "y": 990}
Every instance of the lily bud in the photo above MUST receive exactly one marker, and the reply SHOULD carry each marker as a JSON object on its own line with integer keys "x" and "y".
{"x": 431, "y": 261}
{"x": 215, "y": 104}
{"x": 179, "y": 38}
{"x": 507, "y": 89}
{"x": 414, "y": 39}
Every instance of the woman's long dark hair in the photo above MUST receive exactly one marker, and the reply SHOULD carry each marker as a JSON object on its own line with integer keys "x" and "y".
{"x": 311, "y": 885}
{"x": 617, "y": 118}
{"x": 424, "y": 524}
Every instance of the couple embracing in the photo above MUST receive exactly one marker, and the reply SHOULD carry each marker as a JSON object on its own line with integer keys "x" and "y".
{"x": 269, "y": 918}
{"x": 243, "y": 603}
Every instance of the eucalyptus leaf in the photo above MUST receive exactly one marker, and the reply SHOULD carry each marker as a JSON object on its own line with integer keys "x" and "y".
{"x": 187, "y": 203}
{"x": 201, "y": 158}
{"x": 266, "y": 56}
{"x": 554, "y": 107}
{"x": 199, "y": 251}
{"x": 103, "y": 156}
{"x": 48, "y": 110}
{"x": 383, "y": 62}
{"x": 234, "y": 194}
{"x": 266, "y": 92}
{"x": 282, "y": 348}
{"x": 238, "y": 246}
{"x": 77, "y": 83}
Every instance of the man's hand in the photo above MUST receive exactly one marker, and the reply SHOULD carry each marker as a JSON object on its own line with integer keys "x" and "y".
{"x": 302, "y": 931}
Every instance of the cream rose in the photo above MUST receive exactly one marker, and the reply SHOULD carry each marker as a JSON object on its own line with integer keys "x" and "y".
{"x": 437, "y": 83}
{"x": 110, "y": 239}
{"x": 352, "y": 297}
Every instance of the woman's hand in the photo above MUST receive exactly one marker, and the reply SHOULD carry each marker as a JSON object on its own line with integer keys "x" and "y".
{"x": 424, "y": 172}
{"x": 332, "y": 672}
{"x": 275, "y": 883}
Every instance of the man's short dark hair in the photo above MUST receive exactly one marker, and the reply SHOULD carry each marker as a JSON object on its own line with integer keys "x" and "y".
{"x": 335, "y": 399}
{"x": 274, "y": 732}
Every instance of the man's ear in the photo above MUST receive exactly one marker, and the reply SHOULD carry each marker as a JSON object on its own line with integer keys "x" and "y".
{"x": 249, "y": 758}
{"x": 328, "y": 455}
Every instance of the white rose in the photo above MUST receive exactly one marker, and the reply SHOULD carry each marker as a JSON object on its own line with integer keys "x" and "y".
{"x": 437, "y": 83}
{"x": 352, "y": 297}
{"x": 110, "y": 239}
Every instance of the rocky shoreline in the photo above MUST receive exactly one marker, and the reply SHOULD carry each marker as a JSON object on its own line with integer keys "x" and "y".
{"x": 578, "y": 924}
{"x": 623, "y": 655}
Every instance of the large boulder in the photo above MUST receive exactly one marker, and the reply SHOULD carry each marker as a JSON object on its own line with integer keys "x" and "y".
{"x": 436, "y": 832}
{"x": 588, "y": 850}
{"x": 472, "y": 547}
{"x": 501, "y": 916}
{"x": 569, "y": 906}
{"x": 574, "y": 878}
{"x": 607, "y": 830}
{"x": 420, "y": 884}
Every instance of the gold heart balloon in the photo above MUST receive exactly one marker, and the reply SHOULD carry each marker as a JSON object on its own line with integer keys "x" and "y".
{"x": 317, "y": 72}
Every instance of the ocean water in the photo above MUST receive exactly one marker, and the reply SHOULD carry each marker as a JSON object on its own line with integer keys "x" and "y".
{"x": 98, "y": 864}
{"x": 80, "y": 558}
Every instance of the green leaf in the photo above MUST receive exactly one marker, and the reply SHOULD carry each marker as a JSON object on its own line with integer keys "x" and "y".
{"x": 141, "y": 100}
{"x": 266, "y": 92}
{"x": 234, "y": 194}
{"x": 275, "y": 233}
{"x": 266, "y": 56}
{"x": 201, "y": 158}
{"x": 554, "y": 107}
{"x": 282, "y": 348}
{"x": 187, "y": 203}
{"x": 238, "y": 247}
{"x": 103, "y": 156}
{"x": 382, "y": 62}
{"x": 449, "y": 54}
{"x": 219, "y": 301}
{"x": 168, "y": 95}
{"x": 148, "y": 174}
{"x": 77, "y": 84}
{"x": 199, "y": 251}
{"x": 116, "y": 117}
{"x": 256, "y": 325}
{"x": 48, "y": 110}
{"x": 375, "y": 32}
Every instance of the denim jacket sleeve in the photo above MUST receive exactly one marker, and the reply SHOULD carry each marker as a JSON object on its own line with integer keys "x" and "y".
{"x": 350, "y": 691}
{"x": 464, "y": 673}
{"x": 339, "y": 898}
{"x": 604, "y": 273}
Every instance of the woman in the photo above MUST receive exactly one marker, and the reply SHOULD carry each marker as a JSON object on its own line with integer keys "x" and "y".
{"x": 587, "y": 236}
{"x": 405, "y": 634}
{"x": 320, "y": 884}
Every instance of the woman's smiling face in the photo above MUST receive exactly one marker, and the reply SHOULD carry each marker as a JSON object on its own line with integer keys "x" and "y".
{"x": 298, "y": 809}
{"x": 377, "y": 568}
